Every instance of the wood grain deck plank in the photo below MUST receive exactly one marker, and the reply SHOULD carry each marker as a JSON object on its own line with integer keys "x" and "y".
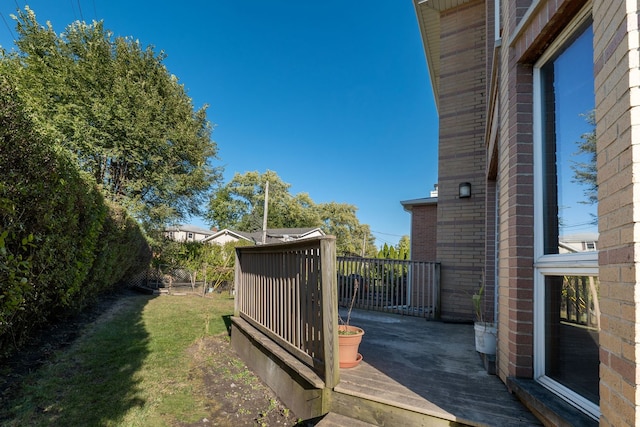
{"x": 429, "y": 368}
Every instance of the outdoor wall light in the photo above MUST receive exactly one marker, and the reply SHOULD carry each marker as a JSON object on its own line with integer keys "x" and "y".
{"x": 464, "y": 190}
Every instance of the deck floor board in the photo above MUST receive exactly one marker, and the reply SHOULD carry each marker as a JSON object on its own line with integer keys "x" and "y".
{"x": 429, "y": 367}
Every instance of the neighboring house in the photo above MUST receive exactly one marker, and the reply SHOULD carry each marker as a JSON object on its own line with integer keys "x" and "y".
{"x": 424, "y": 217}
{"x": 515, "y": 83}
{"x": 187, "y": 233}
{"x": 580, "y": 242}
{"x": 274, "y": 235}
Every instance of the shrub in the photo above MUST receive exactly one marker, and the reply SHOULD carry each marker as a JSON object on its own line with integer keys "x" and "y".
{"x": 54, "y": 226}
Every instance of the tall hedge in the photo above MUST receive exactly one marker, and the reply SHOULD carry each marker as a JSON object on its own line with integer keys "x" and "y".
{"x": 60, "y": 243}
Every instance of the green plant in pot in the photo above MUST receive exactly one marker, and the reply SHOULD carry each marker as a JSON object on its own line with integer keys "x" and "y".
{"x": 349, "y": 337}
{"x": 485, "y": 332}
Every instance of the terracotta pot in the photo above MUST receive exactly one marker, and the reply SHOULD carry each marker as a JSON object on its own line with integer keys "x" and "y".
{"x": 348, "y": 345}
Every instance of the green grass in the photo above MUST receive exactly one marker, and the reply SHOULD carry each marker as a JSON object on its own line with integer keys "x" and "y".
{"x": 131, "y": 368}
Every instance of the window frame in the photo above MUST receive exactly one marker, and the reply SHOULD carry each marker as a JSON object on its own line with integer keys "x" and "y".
{"x": 576, "y": 264}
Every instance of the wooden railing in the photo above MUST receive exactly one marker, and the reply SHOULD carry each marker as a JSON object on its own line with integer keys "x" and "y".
{"x": 288, "y": 292}
{"x": 579, "y": 302}
{"x": 404, "y": 287}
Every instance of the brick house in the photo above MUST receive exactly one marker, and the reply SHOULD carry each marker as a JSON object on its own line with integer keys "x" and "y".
{"x": 520, "y": 87}
{"x": 424, "y": 226}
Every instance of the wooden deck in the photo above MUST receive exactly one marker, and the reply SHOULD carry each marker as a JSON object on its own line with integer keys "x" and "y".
{"x": 418, "y": 372}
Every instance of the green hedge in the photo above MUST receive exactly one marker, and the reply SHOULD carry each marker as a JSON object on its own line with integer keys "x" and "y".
{"x": 60, "y": 242}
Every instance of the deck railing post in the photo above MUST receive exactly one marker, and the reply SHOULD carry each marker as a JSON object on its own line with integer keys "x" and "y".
{"x": 236, "y": 282}
{"x": 329, "y": 291}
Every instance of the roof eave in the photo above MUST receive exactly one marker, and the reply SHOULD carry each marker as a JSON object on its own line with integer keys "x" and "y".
{"x": 409, "y": 204}
{"x": 429, "y": 25}
{"x": 428, "y": 14}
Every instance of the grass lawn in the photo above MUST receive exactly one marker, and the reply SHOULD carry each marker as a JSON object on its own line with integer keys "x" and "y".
{"x": 134, "y": 366}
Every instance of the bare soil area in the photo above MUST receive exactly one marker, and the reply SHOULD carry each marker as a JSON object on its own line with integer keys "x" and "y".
{"x": 235, "y": 396}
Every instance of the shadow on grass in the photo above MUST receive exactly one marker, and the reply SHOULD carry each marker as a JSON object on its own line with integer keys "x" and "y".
{"x": 95, "y": 381}
{"x": 227, "y": 323}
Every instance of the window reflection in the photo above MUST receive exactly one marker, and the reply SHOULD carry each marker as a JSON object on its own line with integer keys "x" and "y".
{"x": 572, "y": 326}
{"x": 570, "y": 188}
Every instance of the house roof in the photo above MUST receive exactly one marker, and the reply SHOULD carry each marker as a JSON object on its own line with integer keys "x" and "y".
{"x": 409, "y": 204}
{"x": 428, "y": 14}
{"x": 190, "y": 229}
{"x": 580, "y": 237}
{"x": 274, "y": 235}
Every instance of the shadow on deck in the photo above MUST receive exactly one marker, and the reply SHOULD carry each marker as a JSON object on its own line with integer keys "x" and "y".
{"x": 416, "y": 372}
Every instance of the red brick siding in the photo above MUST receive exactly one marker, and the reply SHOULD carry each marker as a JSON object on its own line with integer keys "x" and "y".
{"x": 424, "y": 232}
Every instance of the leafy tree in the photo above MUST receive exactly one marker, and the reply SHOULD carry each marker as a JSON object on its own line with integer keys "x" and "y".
{"x": 404, "y": 247}
{"x": 400, "y": 251}
{"x": 60, "y": 243}
{"x": 240, "y": 205}
{"x": 352, "y": 238}
{"x": 384, "y": 252}
{"x": 115, "y": 106}
{"x": 586, "y": 173}
{"x": 211, "y": 263}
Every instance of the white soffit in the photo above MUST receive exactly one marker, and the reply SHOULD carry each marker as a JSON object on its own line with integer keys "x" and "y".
{"x": 442, "y": 4}
{"x": 428, "y": 13}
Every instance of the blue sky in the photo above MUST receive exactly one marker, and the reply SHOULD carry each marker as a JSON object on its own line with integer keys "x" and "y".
{"x": 334, "y": 96}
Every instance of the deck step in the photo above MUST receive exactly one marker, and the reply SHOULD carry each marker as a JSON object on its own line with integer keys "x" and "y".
{"x": 336, "y": 420}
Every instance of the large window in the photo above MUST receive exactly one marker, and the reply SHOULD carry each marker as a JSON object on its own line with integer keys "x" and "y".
{"x": 567, "y": 319}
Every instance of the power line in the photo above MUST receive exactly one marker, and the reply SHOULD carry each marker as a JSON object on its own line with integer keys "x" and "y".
{"x": 13, "y": 37}
{"x": 388, "y": 234}
{"x": 73, "y": 10}
{"x": 80, "y": 10}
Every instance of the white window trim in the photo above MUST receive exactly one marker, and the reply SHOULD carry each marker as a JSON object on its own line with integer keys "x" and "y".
{"x": 579, "y": 264}
{"x": 497, "y": 24}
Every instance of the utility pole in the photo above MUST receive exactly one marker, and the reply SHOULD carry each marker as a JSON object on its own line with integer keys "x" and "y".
{"x": 264, "y": 218}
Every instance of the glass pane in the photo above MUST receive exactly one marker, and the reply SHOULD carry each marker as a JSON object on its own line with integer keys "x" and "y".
{"x": 570, "y": 188}
{"x": 572, "y": 329}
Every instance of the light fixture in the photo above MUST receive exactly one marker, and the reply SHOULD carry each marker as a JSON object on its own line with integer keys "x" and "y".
{"x": 464, "y": 190}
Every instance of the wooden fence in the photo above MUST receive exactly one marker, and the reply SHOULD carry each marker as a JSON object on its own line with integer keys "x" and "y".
{"x": 403, "y": 287}
{"x": 288, "y": 292}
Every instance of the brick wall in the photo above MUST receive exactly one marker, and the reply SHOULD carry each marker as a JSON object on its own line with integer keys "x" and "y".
{"x": 504, "y": 207}
{"x": 616, "y": 60}
{"x": 515, "y": 174}
{"x": 461, "y": 156}
{"x": 616, "y": 71}
{"x": 423, "y": 232}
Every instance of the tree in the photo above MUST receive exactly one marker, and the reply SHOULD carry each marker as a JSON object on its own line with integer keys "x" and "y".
{"x": 586, "y": 173}
{"x": 352, "y": 238}
{"x": 404, "y": 247}
{"x": 115, "y": 106}
{"x": 240, "y": 205}
{"x": 400, "y": 251}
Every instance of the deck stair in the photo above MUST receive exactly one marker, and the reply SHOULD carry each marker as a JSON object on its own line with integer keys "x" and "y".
{"x": 336, "y": 420}
{"x": 378, "y": 405}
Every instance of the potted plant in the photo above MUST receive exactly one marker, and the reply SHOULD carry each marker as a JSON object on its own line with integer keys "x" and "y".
{"x": 485, "y": 332}
{"x": 349, "y": 337}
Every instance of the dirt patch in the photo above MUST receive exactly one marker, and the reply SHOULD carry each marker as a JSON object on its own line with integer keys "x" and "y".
{"x": 235, "y": 396}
